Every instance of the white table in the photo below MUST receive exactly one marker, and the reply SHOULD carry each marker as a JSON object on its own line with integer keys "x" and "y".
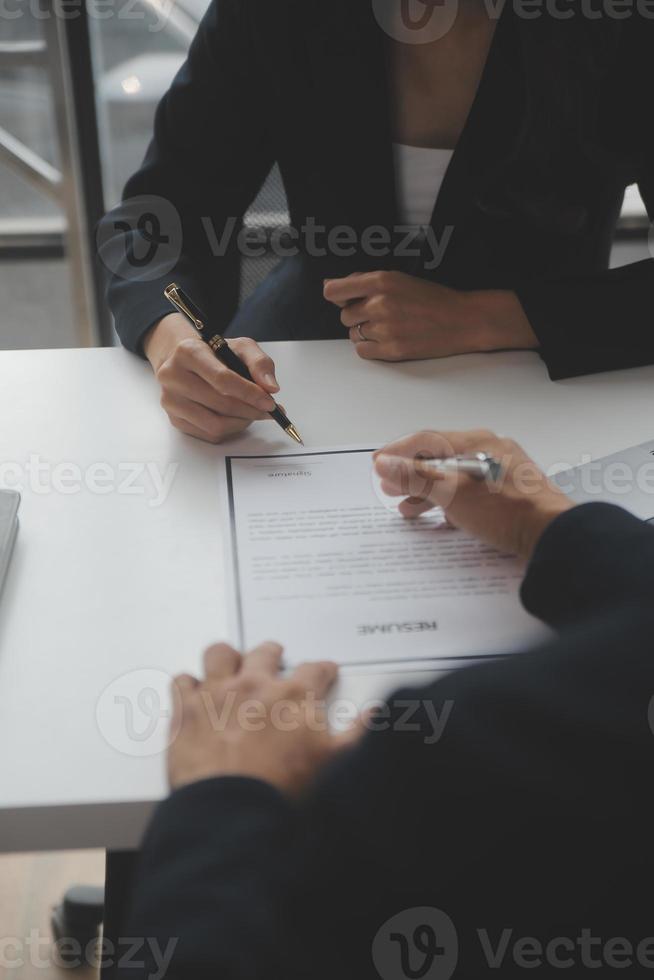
{"x": 108, "y": 595}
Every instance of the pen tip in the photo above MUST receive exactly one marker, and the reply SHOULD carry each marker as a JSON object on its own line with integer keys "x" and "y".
{"x": 294, "y": 434}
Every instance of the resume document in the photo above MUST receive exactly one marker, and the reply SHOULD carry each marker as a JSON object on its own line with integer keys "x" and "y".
{"x": 322, "y": 562}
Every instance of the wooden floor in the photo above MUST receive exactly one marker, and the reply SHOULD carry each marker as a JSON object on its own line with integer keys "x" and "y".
{"x": 30, "y": 884}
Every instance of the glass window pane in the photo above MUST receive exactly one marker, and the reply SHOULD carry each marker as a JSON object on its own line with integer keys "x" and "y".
{"x": 34, "y": 279}
{"x": 137, "y": 52}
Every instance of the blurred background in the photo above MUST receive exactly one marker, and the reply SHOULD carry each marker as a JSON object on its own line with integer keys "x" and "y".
{"x": 115, "y": 66}
{"x": 119, "y": 64}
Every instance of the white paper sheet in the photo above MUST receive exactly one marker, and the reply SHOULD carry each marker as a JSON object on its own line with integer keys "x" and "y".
{"x": 321, "y": 561}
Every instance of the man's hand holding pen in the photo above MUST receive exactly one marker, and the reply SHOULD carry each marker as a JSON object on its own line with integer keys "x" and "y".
{"x": 201, "y": 396}
{"x": 510, "y": 514}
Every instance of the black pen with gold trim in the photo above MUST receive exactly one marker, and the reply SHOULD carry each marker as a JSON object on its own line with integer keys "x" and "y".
{"x": 221, "y": 349}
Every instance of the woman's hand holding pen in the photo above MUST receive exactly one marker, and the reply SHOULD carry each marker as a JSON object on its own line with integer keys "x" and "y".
{"x": 200, "y": 395}
{"x": 510, "y": 514}
{"x": 391, "y": 316}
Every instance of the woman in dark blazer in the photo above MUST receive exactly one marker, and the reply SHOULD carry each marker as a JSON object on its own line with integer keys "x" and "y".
{"x": 544, "y": 106}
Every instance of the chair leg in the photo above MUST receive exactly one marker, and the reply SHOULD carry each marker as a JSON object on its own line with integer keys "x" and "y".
{"x": 119, "y": 873}
{"x": 76, "y": 924}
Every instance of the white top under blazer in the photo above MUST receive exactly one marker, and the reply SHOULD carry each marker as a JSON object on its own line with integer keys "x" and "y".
{"x": 419, "y": 174}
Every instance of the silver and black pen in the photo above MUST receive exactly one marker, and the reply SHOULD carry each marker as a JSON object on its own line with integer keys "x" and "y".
{"x": 222, "y": 351}
{"x": 480, "y": 466}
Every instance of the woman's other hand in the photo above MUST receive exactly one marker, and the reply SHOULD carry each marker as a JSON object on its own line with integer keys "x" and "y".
{"x": 391, "y": 316}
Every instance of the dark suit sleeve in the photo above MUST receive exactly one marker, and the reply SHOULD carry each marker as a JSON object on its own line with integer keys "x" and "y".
{"x": 484, "y": 820}
{"x": 603, "y": 322}
{"x": 589, "y": 324}
{"x": 590, "y": 559}
{"x": 210, "y": 882}
{"x": 209, "y": 156}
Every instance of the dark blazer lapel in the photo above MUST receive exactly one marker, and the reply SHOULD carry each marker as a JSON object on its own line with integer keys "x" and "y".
{"x": 489, "y": 132}
{"x": 348, "y": 61}
{"x": 348, "y": 58}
